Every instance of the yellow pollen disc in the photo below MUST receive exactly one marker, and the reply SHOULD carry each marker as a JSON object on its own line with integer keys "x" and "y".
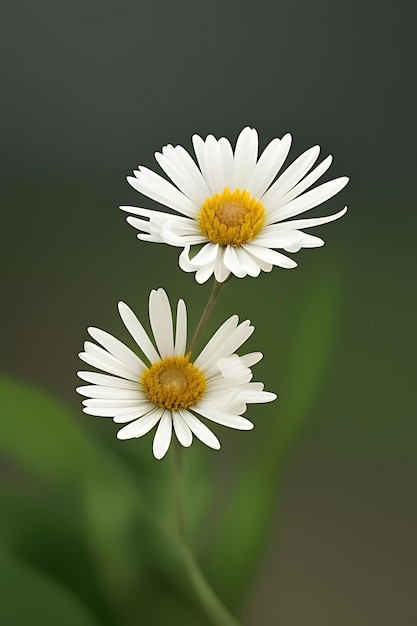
{"x": 231, "y": 218}
{"x": 173, "y": 383}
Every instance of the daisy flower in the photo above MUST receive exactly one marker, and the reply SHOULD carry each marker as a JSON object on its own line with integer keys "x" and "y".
{"x": 230, "y": 206}
{"x": 166, "y": 386}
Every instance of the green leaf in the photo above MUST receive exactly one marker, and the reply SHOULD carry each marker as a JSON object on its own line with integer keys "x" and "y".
{"x": 309, "y": 356}
{"x": 40, "y": 433}
{"x": 245, "y": 526}
{"x": 112, "y": 505}
{"x": 29, "y": 597}
{"x": 45, "y": 452}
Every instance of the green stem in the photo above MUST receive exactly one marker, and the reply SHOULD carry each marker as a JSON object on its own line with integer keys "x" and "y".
{"x": 215, "y": 292}
{"x": 214, "y": 608}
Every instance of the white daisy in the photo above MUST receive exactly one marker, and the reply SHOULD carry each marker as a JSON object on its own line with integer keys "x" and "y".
{"x": 230, "y": 205}
{"x": 165, "y": 386}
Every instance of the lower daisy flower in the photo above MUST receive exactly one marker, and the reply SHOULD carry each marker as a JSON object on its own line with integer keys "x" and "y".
{"x": 233, "y": 205}
{"x": 165, "y": 386}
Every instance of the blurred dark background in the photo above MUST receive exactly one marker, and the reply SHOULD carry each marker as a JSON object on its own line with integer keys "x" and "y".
{"x": 91, "y": 90}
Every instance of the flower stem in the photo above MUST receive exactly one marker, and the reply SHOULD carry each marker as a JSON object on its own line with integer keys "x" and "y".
{"x": 215, "y": 292}
{"x": 214, "y": 608}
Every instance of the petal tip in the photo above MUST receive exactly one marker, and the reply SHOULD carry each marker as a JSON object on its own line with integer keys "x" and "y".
{"x": 158, "y": 454}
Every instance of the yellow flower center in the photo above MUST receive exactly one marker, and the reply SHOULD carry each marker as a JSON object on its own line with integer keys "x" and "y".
{"x": 173, "y": 383}
{"x": 231, "y": 218}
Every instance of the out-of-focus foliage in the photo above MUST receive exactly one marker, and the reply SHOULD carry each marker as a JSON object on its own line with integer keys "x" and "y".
{"x": 248, "y": 515}
{"x": 31, "y": 597}
{"x": 75, "y": 526}
{"x": 91, "y": 532}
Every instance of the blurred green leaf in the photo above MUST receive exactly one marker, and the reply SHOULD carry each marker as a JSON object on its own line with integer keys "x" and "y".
{"x": 245, "y": 525}
{"x": 39, "y": 432}
{"x": 309, "y": 356}
{"x": 45, "y": 527}
{"x": 112, "y": 507}
{"x": 29, "y": 597}
{"x": 62, "y": 491}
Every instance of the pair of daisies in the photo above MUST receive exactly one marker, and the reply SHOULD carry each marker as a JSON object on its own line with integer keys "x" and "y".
{"x": 231, "y": 205}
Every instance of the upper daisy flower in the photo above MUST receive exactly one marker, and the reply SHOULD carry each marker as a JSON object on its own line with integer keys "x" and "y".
{"x": 165, "y": 385}
{"x": 230, "y": 204}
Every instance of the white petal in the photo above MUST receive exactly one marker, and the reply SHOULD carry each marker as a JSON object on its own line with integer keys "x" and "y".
{"x": 154, "y": 186}
{"x": 109, "y": 381}
{"x": 218, "y": 394}
{"x": 309, "y": 200}
{"x": 95, "y": 391}
{"x": 200, "y": 430}
{"x": 156, "y": 220}
{"x": 171, "y": 237}
{"x": 252, "y": 268}
{"x": 313, "y": 221}
{"x": 101, "y": 359}
{"x": 279, "y": 238}
{"x": 149, "y": 213}
{"x": 228, "y": 346}
{"x": 232, "y": 262}
{"x": 182, "y": 430}
{"x": 292, "y": 175}
{"x": 117, "y": 349}
{"x": 98, "y": 412}
{"x": 153, "y": 218}
{"x": 251, "y": 358}
{"x": 180, "y": 175}
{"x": 142, "y": 225}
{"x": 162, "y": 437}
{"x": 180, "y": 225}
{"x": 213, "y": 158}
{"x": 105, "y": 412}
{"x": 200, "y": 151}
{"x": 217, "y": 383}
{"x": 221, "y": 272}
{"x": 189, "y": 164}
{"x": 246, "y": 154}
{"x": 206, "y": 255}
{"x": 181, "y": 329}
{"x": 151, "y": 225}
{"x": 149, "y": 231}
{"x": 231, "y": 421}
{"x": 210, "y": 350}
{"x": 268, "y": 166}
{"x": 233, "y": 367}
{"x": 160, "y": 317}
{"x": 166, "y": 227}
{"x": 204, "y": 273}
{"x": 265, "y": 267}
{"x": 310, "y": 241}
{"x": 238, "y": 407}
{"x": 257, "y": 397}
{"x": 114, "y": 403}
{"x": 121, "y": 417}
{"x": 307, "y": 181}
{"x": 138, "y": 333}
{"x": 227, "y": 162}
{"x": 269, "y": 256}
{"x": 184, "y": 260}
{"x": 141, "y": 426}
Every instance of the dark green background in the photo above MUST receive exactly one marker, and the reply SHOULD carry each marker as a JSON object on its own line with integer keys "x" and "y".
{"x": 91, "y": 90}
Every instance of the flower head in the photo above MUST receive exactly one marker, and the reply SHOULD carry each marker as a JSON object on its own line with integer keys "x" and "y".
{"x": 166, "y": 386}
{"x": 230, "y": 206}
